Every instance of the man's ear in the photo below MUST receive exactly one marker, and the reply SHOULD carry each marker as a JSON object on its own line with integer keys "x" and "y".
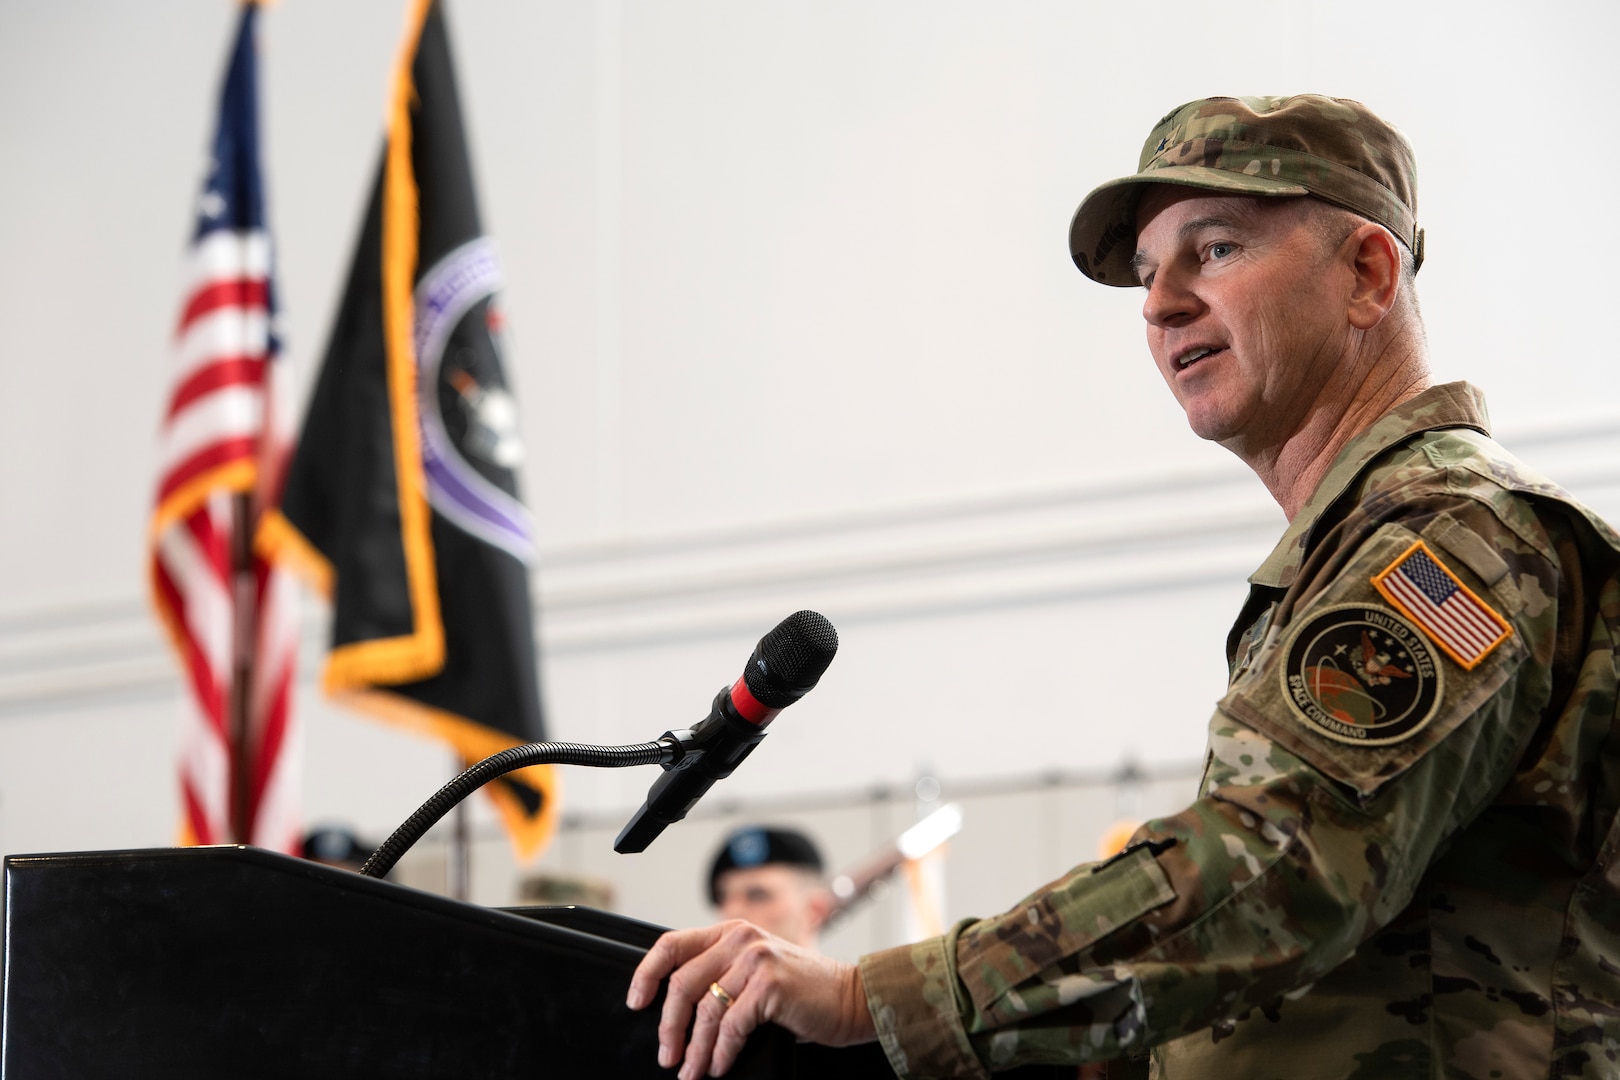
{"x": 1376, "y": 262}
{"x": 819, "y": 906}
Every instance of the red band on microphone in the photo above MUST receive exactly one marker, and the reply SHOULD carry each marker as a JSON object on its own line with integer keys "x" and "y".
{"x": 748, "y": 706}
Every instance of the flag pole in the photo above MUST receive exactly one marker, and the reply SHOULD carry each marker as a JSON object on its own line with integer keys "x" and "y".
{"x": 244, "y": 587}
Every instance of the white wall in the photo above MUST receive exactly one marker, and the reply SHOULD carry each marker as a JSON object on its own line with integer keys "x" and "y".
{"x": 793, "y": 324}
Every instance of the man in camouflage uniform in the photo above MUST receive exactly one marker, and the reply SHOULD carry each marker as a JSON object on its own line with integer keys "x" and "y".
{"x": 1405, "y": 859}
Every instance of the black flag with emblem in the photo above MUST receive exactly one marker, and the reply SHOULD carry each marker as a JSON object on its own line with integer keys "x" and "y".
{"x": 402, "y": 498}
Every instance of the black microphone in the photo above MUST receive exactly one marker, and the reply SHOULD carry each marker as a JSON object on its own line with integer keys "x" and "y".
{"x": 785, "y": 666}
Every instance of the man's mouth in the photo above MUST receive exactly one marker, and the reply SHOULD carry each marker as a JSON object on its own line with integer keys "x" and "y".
{"x": 1192, "y": 356}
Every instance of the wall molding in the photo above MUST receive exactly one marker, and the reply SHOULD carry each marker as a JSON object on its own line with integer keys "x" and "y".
{"x": 1081, "y": 543}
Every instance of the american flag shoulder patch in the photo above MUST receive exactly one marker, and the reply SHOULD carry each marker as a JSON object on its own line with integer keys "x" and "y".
{"x": 1424, "y": 590}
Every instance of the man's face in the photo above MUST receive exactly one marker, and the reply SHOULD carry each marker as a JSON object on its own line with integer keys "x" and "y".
{"x": 785, "y": 900}
{"x": 1245, "y": 309}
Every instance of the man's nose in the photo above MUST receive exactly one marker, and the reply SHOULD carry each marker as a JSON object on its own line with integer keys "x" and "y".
{"x": 1170, "y": 301}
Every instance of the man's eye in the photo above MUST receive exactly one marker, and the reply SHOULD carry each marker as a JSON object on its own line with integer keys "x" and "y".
{"x": 1220, "y": 250}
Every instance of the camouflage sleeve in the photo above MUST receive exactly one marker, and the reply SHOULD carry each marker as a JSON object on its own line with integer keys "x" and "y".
{"x": 1366, "y": 730}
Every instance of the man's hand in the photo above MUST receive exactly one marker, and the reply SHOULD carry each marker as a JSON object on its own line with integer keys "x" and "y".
{"x": 766, "y": 978}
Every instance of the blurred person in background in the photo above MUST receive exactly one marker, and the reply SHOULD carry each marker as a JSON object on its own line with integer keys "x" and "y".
{"x": 772, "y": 877}
{"x": 337, "y": 845}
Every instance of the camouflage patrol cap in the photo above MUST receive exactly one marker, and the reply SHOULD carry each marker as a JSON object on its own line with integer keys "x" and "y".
{"x": 1333, "y": 148}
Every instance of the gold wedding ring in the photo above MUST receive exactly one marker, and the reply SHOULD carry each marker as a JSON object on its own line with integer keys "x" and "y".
{"x": 720, "y": 995}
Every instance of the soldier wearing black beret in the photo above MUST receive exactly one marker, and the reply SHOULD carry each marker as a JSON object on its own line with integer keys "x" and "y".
{"x": 772, "y": 877}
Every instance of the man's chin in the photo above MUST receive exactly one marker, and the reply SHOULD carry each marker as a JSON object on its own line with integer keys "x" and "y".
{"x": 1213, "y": 426}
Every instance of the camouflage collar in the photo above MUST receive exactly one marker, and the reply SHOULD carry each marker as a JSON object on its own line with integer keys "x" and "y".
{"x": 1457, "y": 404}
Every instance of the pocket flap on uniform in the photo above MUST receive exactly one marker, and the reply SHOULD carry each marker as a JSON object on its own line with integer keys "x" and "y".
{"x": 997, "y": 955}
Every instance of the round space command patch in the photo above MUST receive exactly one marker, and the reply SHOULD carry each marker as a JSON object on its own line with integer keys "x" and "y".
{"x": 1361, "y": 674}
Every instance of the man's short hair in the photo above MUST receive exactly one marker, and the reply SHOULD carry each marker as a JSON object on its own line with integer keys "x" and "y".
{"x": 1334, "y": 149}
{"x": 761, "y": 846}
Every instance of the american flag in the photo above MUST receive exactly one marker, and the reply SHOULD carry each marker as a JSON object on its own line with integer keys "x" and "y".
{"x": 1459, "y": 622}
{"x": 230, "y": 614}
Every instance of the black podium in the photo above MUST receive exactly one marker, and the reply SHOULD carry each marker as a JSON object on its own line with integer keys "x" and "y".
{"x": 239, "y": 962}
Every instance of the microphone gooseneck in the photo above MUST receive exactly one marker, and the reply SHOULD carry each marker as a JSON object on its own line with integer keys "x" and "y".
{"x": 496, "y": 765}
{"x": 785, "y": 665}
